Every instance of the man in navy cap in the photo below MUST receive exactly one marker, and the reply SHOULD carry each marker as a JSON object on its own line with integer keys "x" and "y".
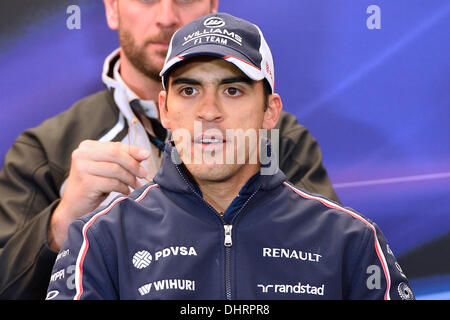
{"x": 211, "y": 226}
{"x": 110, "y": 143}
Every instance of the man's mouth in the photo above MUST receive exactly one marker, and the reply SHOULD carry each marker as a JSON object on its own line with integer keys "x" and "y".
{"x": 160, "y": 45}
{"x": 210, "y": 143}
{"x": 210, "y": 140}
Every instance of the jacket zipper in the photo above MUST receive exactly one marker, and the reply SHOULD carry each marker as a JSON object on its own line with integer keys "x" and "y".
{"x": 228, "y": 243}
{"x": 228, "y": 240}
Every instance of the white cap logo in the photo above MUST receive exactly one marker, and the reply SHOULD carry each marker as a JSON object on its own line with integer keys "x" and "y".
{"x": 214, "y": 22}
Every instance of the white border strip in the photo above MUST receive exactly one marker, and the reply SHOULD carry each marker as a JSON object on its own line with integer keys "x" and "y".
{"x": 422, "y": 177}
{"x": 111, "y": 134}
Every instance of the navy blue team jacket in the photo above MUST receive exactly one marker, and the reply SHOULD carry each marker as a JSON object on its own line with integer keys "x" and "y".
{"x": 275, "y": 242}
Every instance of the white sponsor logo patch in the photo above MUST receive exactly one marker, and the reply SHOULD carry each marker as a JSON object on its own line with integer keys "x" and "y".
{"x": 142, "y": 259}
{"x": 214, "y": 22}
{"x": 291, "y": 254}
{"x": 57, "y": 275}
{"x": 52, "y": 295}
{"x": 298, "y": 288}
{"x": 167, "y": 284}
{"x": 405, "y": 292}
{"x": 220, "y": 36}
{"x": 62, "y": 254}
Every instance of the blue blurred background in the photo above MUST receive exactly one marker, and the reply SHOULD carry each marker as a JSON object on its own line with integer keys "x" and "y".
{"x": 377, "y": 100}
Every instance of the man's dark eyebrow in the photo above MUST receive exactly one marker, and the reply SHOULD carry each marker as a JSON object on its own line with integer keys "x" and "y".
{"x": 185, "y": 81}
{"x": 223, "y": 81}
{"x": 237, "y": 79}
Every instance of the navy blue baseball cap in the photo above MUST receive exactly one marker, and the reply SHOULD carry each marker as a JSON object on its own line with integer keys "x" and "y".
{"x": 221, "y": 35}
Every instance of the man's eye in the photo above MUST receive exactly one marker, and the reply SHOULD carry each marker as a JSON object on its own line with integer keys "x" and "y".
{"x": 233, "y": 91}
{"x": 189, "y": 91}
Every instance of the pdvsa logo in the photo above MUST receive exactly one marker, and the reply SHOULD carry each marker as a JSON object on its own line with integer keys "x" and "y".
{"x": 214, "y": 22}
{"x": 142, "y": 259}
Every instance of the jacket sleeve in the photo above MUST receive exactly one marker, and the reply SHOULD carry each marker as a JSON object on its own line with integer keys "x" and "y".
{"x": 28, "y": 198}
{"x": 376, "y": 274}
{"x": 33, "y": 171}
{"x": 301, "y": 158}
{"x": 80, "y": 271}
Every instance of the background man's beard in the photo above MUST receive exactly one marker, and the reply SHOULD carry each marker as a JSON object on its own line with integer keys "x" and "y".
{"x": 137, "y": 56}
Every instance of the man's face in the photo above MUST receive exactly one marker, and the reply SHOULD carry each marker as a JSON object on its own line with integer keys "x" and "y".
{"x": 215, "y": 113}
{"x": 146, "y": 27}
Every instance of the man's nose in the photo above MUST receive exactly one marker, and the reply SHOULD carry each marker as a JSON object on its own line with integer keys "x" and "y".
{"x": 167, "y": 16}
{"x": 209, "y": 109}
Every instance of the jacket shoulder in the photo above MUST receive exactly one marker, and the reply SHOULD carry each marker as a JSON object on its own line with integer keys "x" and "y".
{"x": 111, "y": 213}
{"x": 327, "y": 210}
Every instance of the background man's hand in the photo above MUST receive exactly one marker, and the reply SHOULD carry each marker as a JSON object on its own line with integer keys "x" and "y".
{"x": 97, "y": 169}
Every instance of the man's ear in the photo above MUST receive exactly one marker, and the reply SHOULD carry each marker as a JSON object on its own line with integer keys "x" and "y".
{"x": 112, "y": 13}
{"x": 274, "y": 107}
{"x": 214, "y": 6}
{"x": 163, "y": 110}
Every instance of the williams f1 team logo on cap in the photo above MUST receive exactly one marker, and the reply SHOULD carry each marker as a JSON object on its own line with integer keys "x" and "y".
{"x": 214, "y": 22}
{"x": 223, "y": 36}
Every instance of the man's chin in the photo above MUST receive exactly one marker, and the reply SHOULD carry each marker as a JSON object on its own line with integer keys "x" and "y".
{"x": 211, "y": 172}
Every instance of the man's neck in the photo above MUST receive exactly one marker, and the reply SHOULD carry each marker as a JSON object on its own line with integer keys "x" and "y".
{"x": 142, "y": 85}
{"x": 220, "y": 194}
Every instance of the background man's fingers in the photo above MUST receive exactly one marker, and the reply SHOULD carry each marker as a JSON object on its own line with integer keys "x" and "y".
{"x": 108, "y": 185}
{"x": 136, "y": 152}
{"x": 111, "y": 170}
{"x": 129, "y": 157}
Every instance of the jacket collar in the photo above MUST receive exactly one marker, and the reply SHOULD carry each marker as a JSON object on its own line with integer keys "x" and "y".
{"x": 122, "y": 94}
{"x": 174, "y": 176}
